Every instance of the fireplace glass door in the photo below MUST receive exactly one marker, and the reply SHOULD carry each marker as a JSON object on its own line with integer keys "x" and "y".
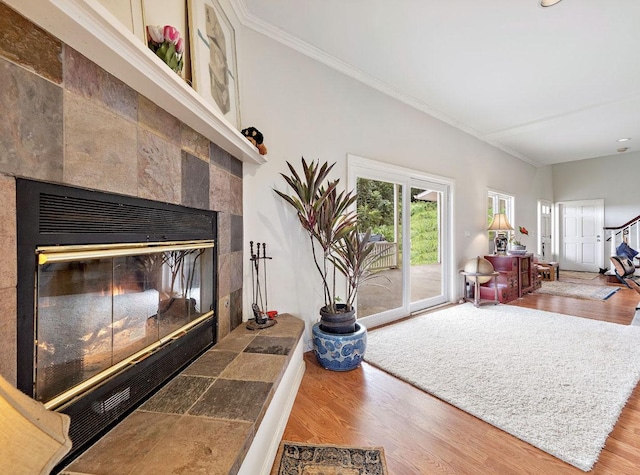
{"x": 101, "y": 309}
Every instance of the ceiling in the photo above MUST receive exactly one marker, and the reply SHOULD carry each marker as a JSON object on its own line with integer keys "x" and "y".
{"x": 548, "y": 85}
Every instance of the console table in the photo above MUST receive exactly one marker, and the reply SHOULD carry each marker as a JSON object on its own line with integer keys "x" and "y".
{"x": 517, "y": 275}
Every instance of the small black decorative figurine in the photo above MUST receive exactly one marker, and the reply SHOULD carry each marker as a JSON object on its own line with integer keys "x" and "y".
{"x": 256, "y": 138}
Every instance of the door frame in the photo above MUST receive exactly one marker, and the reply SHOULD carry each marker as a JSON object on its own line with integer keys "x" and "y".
{"x": 360, "y": 167}
{"x": 443, "y": 240}
{"x": 557, "y": 235}
{"x": 551, "y": 206}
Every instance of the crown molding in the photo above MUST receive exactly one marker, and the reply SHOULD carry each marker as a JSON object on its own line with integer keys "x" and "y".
{"x": 258, "y": 25}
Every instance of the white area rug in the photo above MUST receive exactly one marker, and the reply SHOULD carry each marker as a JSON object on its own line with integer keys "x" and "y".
{"x": 554, "y": 381}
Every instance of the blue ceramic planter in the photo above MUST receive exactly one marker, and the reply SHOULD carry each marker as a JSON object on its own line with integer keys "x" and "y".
{"x": 339, "y": 352}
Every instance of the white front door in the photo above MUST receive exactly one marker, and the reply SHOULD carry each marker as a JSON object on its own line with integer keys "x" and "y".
{"x": 580, "y": 231}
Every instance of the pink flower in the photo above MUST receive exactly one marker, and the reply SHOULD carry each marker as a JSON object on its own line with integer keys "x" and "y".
{"x": 171, "y": 34}
{"x": 155, "y": 33}
{"x": 167, "y": 44}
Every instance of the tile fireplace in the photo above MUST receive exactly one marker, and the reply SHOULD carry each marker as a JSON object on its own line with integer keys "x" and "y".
{"x": 115, "y": 295}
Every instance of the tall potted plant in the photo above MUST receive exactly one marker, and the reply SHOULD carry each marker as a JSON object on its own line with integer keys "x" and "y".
{"x": 327, "y": 216}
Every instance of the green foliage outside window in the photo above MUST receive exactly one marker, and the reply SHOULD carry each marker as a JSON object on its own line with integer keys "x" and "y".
{"x": 424, "y": 232}
{"x": 375, "y": 207}
{"x": 375, "y": 212}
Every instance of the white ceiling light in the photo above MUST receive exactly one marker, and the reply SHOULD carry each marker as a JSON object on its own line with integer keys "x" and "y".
{"x": 548, "y": 3}
{"x": 624, "y": 140}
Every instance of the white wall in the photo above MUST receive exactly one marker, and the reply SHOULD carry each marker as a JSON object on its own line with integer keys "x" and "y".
{"x": 304, "y": 108}
{"x": 614, "y": 179}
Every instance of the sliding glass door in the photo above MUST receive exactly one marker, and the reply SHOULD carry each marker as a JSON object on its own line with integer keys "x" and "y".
{"x": 408, "y": 217}
{"x": 379, "y": 207}
{"x": 426, "y": 243}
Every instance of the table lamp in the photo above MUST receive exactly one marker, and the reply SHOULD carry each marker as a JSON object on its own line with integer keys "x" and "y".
{"x": 500, "y": 224}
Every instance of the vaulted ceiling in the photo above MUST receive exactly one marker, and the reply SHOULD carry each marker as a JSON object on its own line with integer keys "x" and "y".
{"x": 548, "y": 85}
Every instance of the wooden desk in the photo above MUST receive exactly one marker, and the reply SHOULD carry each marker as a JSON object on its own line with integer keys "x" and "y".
{"x": 477, "y": 300}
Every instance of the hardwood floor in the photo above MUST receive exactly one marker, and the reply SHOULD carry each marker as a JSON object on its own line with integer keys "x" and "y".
{"x": 423, "y": 435}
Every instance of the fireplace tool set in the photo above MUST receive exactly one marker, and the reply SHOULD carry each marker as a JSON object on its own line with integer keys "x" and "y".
{"x": 263, "y": 318}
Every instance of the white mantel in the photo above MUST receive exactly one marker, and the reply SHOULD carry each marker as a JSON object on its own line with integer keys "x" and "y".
{"x": 92, "y": 30}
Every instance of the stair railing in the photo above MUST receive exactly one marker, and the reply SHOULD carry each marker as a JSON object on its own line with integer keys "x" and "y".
{"x": 629, "y": 232}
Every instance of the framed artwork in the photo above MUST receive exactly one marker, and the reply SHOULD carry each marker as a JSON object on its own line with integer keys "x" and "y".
{"x": 213, "y": 58}
{"x": 129, "y": 13}
{"x": 168, "y": 12}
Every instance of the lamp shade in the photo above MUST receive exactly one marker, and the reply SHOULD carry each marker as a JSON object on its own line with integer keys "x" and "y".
{"x": 548, "y": 3}
{"x": 500, "y": 223}
{"x": 32, "y": 439}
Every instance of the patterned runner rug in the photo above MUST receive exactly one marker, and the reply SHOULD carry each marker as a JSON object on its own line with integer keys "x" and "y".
{"x": 297, "y": 458}
{"x": 573, "y": 274}
{"x": 579, "y": 291}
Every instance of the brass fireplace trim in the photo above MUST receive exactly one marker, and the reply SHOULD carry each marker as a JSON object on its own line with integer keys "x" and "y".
{"x": 49, "y": 254}
{"x": 131, "y": 360}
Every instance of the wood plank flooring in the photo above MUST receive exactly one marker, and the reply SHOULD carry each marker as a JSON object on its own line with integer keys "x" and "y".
{"x": 423, "y": 435}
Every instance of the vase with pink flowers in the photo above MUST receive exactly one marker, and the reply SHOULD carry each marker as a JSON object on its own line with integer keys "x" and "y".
{"x": 167, "y": 43}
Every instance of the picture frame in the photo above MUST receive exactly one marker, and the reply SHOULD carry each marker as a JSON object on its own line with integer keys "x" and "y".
{"x": 213, "y": 58}
{"x": 129, "y": 13}
{"x": 167, "y": 12}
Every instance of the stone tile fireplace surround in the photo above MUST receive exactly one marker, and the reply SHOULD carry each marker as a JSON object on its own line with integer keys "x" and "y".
{"x": 68, "y": 121}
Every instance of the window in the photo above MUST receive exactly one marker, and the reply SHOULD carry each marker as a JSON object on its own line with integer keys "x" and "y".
{"x": 498, "y": 203}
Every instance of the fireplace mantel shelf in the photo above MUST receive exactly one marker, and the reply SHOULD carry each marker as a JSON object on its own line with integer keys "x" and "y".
{"x": 89, "y": 28}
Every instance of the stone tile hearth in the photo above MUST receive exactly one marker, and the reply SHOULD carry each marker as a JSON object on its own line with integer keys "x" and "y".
{"x": 204, "y": 420}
